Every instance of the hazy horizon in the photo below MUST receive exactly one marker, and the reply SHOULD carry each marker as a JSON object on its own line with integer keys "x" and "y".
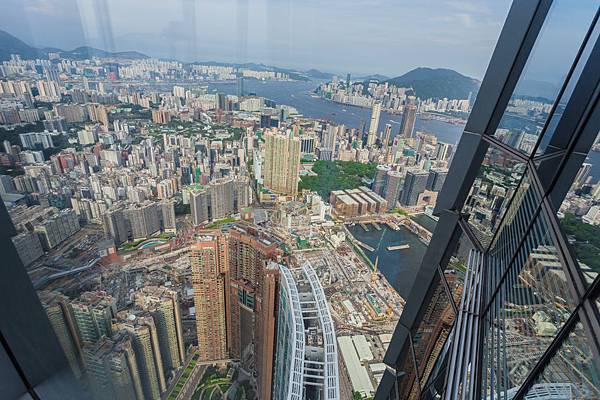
{"x": 363, "y": 37}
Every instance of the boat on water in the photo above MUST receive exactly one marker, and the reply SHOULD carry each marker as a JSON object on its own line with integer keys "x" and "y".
{"x": 398, "y": 247}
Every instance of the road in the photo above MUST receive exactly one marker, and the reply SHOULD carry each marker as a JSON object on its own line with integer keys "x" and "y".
{"x": 188, "y": 390}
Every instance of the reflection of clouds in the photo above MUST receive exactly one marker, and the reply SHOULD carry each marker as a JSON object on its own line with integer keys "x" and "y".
{"x": 46, "y": 7}
{"x": 390, "y": 36}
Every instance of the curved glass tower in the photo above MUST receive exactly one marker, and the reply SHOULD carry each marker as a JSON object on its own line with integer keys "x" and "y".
{"x": 306, "y": 364}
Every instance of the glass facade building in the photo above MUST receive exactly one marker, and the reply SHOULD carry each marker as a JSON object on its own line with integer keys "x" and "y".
{"x": 306, "y": 362}
{"x": 507, "y": 306}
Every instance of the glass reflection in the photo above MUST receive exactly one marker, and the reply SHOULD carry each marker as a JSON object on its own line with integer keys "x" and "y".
{"x": 572, "y": 372}
{"x": 579, "y": 216}
{"x": 546, "y": 145}
{"x": 489, "y": 197}
{"x": 434, "y": 329}
{"x": 532, "y": 304}
{"x": 456, "y": 269}
{"x": 544, "y": 74}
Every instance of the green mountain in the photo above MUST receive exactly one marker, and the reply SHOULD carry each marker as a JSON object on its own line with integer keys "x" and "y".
{"x": 437, "y": 83}
{"x": 12, "y": 45}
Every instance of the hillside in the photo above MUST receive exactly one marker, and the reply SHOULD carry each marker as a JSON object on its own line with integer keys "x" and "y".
{"x": 437, "y": 83}
{"x": 12, "y": 45}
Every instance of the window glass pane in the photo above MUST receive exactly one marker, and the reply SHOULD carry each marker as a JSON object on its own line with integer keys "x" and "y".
{"x": 408, "y": 383}
{"x": 530, "y": 307}
{"x": 436, "y": 384}
{"x": 544, "y": 73}
{"x": 455, "y": 270}
{"x": 545, "y": 141}
{"x": 572, "y": 372}
{"x": 494, "y": 186}
{"x": 516, "y": 221}
{"x": 436, "y": 321}
{"x": 579, "y": 216}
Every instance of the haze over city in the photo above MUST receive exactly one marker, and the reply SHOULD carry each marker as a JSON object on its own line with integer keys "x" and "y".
{"x": 299, "y": 200}
{"x": 361, "y": 37}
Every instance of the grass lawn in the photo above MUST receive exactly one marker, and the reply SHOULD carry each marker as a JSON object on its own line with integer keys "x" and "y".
{"x": 220, "y": 222}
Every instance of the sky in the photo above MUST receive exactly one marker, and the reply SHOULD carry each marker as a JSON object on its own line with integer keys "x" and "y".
{"x": 388, "y": 37}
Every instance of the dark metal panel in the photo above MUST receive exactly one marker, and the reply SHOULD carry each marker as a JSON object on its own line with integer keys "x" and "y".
{"x": 386, "y": 387}
{"x": 11, "y": 384}
{"x": 25, "y": 326}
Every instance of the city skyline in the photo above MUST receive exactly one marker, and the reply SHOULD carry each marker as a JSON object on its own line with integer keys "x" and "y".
{"x": 180, "y": 231}
{"x": 293, "y": 36}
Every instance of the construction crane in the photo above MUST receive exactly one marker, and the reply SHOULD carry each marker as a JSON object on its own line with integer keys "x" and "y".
{"x": 374, "y": 272}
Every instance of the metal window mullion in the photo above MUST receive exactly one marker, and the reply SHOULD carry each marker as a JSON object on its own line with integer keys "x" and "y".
{"x": 472, "y": 351}
{"x": 591, "y": 324}
{"x": 452, "y": 370}
{"x": 475, "y": 328}
{"x": 481, "y": 326}
{"x": 465, "y": 353}
{"x": 491, "y": 139}
{"x": 447, "y": 290}
{"x": 459, "y": 338}
{"x": 417, "y": 379}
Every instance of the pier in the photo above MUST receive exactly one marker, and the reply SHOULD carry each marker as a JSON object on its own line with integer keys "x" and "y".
{"x": 393, "y": 226}
{"x": 364, "y": 245}
{"x": 398, "y": 247}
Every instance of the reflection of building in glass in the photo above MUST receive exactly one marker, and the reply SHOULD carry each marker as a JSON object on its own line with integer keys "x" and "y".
{"x": 501, "y": 307}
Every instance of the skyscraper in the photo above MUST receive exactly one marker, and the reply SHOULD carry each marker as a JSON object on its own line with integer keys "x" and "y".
{"x": 220, "y": 198}
{"x": 252, "y": 299}
{"x": 209, "y": 259}
{"x": 415, "y": 183}
{"x": 144, "y": 337}
{"x": 409, "y": 116}
{"x": 266, "y": 331}
{"x": 57, "y": 308}
{"x": 240, "y": 85}
{"x": 112, "y": 369}
{"x": 162, "y": 303}
{"x": 306, "y": 364}
{"x": 387, "y": 132}
{"x": 436, "y": 179}
{"x": 374, "y": 125}
{"x": 92, "y": 314}
{"x": 200, "y": 202}
{"x": 380, "y": 179}
{"x": 282, "y": 162}
{"x": 393, "y": 187}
